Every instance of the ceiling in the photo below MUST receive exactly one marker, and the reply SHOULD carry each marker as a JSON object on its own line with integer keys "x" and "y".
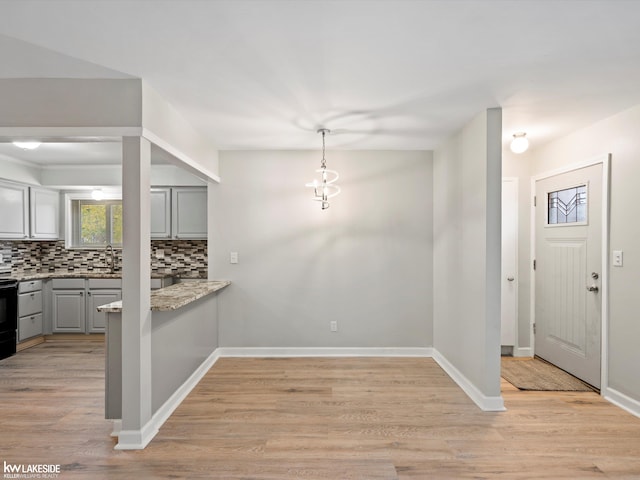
{"x": 380, "y": 74}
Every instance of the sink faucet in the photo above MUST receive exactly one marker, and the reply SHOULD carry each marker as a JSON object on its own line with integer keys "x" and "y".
{"x": 112, "y": 263}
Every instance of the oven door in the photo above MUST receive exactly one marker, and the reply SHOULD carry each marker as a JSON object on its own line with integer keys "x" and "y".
{"x": 8, "y": 307}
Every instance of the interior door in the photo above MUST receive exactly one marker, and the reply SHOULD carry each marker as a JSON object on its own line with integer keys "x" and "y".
{"x": 509, "y": 261}
{"x": 568, "y": 239}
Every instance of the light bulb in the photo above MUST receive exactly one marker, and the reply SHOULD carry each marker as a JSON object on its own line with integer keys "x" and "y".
{"x": 27, "y": 145}
{"x": 97, "y": 195}
{"x": 519, "y": 144}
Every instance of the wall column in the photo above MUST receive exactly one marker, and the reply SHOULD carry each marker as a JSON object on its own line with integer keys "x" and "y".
{"x": 137, "y": 428}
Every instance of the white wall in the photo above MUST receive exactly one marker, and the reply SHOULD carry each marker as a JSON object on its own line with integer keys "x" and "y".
{"x": 619, "y": 136}
{"x": 365, "y": 262}
{"x": 467, "y": 245}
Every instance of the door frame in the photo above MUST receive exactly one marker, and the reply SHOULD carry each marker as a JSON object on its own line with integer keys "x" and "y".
{"x": 605, "y": 160}
{"x": 516, "y": 343}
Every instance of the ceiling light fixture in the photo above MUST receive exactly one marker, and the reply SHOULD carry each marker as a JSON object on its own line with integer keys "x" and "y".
{"x": 326, "y": 188}
{"x": 97, "y": 194}
{"x": 519, "y": 144}
{"x": 28, "y": 145}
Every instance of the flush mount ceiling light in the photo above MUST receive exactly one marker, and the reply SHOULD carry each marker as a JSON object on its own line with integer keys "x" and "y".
{"x": 325, "y": 188}
{"x": 27, "y": 145}
{"x": 97, "y": 194}
{"x": 519, "y": 144}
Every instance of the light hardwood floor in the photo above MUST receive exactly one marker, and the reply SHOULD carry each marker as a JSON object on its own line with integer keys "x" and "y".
{"x": 310, "y": 418}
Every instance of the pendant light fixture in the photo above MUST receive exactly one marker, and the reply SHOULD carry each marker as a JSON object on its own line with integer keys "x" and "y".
{"x": 324, "y": 188}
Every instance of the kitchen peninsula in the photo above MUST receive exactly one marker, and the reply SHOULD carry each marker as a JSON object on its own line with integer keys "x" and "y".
{"x": 184, "y": 335}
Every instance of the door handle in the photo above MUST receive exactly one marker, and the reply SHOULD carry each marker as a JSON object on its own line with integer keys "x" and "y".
{"x": 511, "y": 279}
{"x": 592, "y": 288}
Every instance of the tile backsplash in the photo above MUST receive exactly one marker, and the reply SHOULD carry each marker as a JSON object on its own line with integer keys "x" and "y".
{"x": 177, "y": 257}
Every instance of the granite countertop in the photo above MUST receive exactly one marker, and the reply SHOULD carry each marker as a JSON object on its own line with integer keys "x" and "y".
{"x": 88, "y": 274}
{"x": 174, "y": 296}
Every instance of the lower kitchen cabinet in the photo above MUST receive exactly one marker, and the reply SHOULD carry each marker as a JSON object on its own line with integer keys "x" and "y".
{"x": 29, "y": 310}
{"x": 97, "y": 321}
{"x": 75, "y": 300}
{"x": 68, "y": 311}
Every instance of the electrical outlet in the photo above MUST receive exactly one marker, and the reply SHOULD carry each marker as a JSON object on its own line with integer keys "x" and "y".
{"x": 333, "y": 325}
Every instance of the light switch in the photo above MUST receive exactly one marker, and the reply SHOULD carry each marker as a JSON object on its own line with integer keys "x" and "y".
{"x": 617, "y": 258}
{"x": 233, "y": 257}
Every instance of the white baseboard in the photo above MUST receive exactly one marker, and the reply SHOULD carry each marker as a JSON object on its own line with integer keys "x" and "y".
{"x": 523, "y": 352}
{"x": 262, "y": 352}
{"x": 488, "y": 404}
{"x": 138, "y": 439}
{"x": 623, "y": 401}
{"x": 117, "y": 428}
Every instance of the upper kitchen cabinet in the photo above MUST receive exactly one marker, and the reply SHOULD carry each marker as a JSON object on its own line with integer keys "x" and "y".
{"x": 179, "y": 213}
{"x": 45, "y": 214}
{"x": 28, "y": 212}
{"x": 189, "y": 213}
{"x": 14, "y": 211}
{"x": 160, "y": 213}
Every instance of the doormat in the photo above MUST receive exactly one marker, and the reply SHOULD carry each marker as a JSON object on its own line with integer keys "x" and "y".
{"x": 536, "y": 374}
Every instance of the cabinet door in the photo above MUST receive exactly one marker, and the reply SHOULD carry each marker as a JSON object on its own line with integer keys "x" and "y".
{"x": 68, "y": 311}
{"x": 29, "y": 326}
{"x": 14, "y": 211}
{"x": 160, "y": 213}
{"x": 189, "y": 213}
{"x": 97, "y": 321}
{"x": 45, "y": 213}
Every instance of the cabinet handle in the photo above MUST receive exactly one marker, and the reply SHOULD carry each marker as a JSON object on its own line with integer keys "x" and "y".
{"x": 89, "y": 293}
{"x": 32, "y": 295}
{"x": 33, "y": 318}
{"x": 82, "y": 294}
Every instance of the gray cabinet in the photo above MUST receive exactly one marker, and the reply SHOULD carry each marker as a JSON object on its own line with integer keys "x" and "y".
{"x": 29, "y": 212}
{"x": 189, "y": 213}
{"x": 101, "y": 291}
{"x": 160, "y": 213}
{"x": 45, "y": 213}
{"x": 68, "y": 311}
{"x": 14, "y": 211}
{"x": 29, "y": 309}
{"x": 75, "y": 300}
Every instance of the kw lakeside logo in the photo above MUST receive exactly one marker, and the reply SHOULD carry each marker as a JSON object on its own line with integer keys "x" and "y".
{"x": 36, "y": 470}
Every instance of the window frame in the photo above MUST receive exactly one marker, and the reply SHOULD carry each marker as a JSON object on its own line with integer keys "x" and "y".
{"x": 72, "y": 217}
{"x": 569, "y": 224}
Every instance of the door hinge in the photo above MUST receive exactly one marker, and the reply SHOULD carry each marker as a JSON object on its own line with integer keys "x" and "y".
{"x": 534, "y": 263}
{"x": 535, "y": 201}
{"x": 534, "y": 328}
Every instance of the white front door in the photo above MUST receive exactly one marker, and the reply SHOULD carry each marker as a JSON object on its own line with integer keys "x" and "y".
{"x": 567, "y": 277}
{"x": 509, "y": 261}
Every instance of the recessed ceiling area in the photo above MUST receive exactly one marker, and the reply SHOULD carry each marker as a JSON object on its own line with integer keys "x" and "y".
{"x": 379, "y": 74}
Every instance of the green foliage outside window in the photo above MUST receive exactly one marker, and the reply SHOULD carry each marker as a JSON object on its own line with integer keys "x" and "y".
{"x": 99, "y": 222}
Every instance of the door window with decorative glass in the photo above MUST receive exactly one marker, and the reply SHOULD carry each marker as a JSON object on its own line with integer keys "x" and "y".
{"x": 567, "y": 206}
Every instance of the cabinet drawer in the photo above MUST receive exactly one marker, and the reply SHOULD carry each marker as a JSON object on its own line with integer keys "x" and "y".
{"x": 64, "y": 283}
{"x": 29, "y": 326}
{"x": 97, "y": 283}
{"x": 29, "y": 303}
{"x": 30, "y": 286}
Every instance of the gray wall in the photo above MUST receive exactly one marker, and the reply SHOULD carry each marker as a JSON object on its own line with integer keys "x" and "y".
{"x": 467, "y": 245}
{"x": 365, "y": 262}
{"x": 617, "y": 135}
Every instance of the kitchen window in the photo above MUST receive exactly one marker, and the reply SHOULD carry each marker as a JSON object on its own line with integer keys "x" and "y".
{"x": 93, "y": 223}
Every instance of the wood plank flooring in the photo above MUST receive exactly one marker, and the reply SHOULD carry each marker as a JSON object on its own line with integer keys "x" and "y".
{"x": 310, "y": 418}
